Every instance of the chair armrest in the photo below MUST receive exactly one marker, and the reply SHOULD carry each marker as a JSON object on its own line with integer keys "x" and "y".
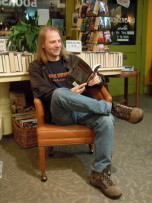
{"x": 100, "y": 93}
{"x": 106, "y": 95}
{"x": 39, "y": 111}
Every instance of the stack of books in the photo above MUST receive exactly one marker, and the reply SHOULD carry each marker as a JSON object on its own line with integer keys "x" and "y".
{"x": 26, "y": 119}
{"x": 13, "y": 62}
{"x": 110, "y": 62}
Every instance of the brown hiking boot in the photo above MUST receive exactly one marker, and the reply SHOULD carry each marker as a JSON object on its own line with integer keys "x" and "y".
{"x": 103, "y": 181}
{"x": 130, "y": 114}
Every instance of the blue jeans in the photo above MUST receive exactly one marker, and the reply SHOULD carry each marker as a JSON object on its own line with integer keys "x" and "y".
{"x": 68, "y": 108}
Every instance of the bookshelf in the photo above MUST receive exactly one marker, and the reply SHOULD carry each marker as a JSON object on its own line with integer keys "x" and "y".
{"x": 11, "y": 77}
{"x": 93, "y": 24}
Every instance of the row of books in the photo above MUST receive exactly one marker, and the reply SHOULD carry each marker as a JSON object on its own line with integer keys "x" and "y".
{"x": 100, "y": 37}
{"x": 94, "y": 23}
{"x": 94, "y": 7}
{"x": 19, "y": 62}
{"x": 105, "y": 59}
{"x": 11, "y": 62}
{"x": 95, "y": 47}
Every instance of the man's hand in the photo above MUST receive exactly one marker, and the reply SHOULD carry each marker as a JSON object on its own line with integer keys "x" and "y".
{"x": 95, "y": 81}
{"x": 79, "y": 88}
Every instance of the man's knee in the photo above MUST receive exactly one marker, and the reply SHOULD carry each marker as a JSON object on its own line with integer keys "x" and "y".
{"x": 58, "y": 93}
{"x": 108, "y": 120}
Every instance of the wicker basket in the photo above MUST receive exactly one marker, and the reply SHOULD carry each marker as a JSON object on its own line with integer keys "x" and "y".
{"x": 25, "y": 137}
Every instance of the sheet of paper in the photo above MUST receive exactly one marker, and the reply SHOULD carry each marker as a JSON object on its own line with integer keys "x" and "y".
{"x": 44, "y": 16}
{"x": 74, "y": 45}
{"x": 3, "y": 44}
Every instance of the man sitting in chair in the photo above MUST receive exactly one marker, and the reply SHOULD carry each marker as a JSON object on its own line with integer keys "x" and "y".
{"x": 68, "y": 104}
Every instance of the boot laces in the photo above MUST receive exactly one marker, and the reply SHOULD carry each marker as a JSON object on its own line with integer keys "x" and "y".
{"x": 105, "y": 178}
{"x": 123, "y": 111}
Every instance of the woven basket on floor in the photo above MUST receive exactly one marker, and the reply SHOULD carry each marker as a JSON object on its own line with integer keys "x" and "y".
{"x": 25, "y": 137}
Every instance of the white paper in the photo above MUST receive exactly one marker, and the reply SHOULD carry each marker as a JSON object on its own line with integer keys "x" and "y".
{"x": 3, "y": 44}
{"x": 74, "y": 45}
{"x": 44, "y": 16}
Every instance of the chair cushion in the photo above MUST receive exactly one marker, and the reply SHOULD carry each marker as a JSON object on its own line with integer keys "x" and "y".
{"x": 53, "y": 134}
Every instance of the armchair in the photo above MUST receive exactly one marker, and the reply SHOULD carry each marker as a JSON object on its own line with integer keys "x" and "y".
{"x": 51, "y": 135}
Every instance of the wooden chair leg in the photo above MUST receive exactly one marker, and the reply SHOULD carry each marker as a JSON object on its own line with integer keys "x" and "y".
{"x": 42, "y": 163}
{"x": 91, "y": 147}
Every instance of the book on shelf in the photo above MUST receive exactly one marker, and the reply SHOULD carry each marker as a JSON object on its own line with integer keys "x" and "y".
{"x": 92, "y": 23}
{"x": 90, "y": 38}
{"x": 103, "y": 8}
{"x": 74, "y": 18}
{"x": 83, "y": 10}
{"x": 107, "y": 36}
{"x": 16, "y": 63}
{"x": 83, "y": 37}
{"x": 107, "y": 22}
{"x": 23, "y": 61}
{"x": 101, "y": 38}
{"x": 4, "y": 63}
{"x": 79, "y": 11}
{"x": 1, "y": 65}
{"x": 12, "y": 61}
{"x": 96, "y": 8}
{"x": 83, "y": 25}
{"x": 79, "y": 22}
{"x": 90, "y": 8}
{"x": 77, "y": 4}
{"x": 19, "y": 55}
{"x": 101, "y": 23}
{"x": 8, "y": 68}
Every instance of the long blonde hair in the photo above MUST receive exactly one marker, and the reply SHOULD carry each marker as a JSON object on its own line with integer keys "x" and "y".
{"x": 41, "y": 39}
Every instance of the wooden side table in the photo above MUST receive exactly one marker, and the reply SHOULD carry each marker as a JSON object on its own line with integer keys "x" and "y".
{"x": 126, "y": 75}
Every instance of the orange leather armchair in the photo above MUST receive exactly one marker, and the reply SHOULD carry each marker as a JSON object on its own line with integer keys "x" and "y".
{"x": 51, "y": 135}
